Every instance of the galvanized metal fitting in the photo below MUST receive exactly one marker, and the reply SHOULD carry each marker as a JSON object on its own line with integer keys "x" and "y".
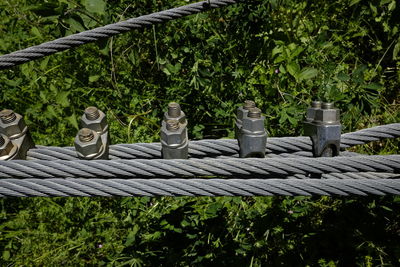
{"x": 174, "y": 135}
{"x": 323, "y": 126}
{"x": 241, "y": 113}
{"x": 311, "y": 110}
{"x": 12, "y": 125}
{"x": 96, "y": 120}
{"x": 252, "y": 137}
{"x": 175, "y": 112}
{"x": 8, "y": 150}
{"x": 89, "y": 145}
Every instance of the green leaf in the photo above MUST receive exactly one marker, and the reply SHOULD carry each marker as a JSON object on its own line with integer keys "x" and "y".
{"x": 373, "y": 86}
{"x": 95, "y": 6}
{"x": 51, "y": 112}
{"x": 6, "y": 255}
{"x": 36, "y": 31}
{"x": 62, "y": 99}
{"x": 75, "y": 25}
{"x": 387, "y": 208}
{"x": 293, "y": 68}
{"x": 307, "y": 73}
{"x": 392, "y": 6}
{"x": 276, "y": 50}
{"x": 172, "y": 69}
{"x": 131, "y": 236}
{"x": 72, "y": 120}
{"x": 94, "y": 78}
{"x": 396, "y": 50}
{"x": 343, "y": 77}
{"x": 374, "y": 9}
{"x": 354, "y": 2}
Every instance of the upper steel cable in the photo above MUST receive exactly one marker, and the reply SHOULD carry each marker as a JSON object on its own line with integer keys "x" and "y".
{"x": 74, "y": 40}
{"x": 276, "y": 146}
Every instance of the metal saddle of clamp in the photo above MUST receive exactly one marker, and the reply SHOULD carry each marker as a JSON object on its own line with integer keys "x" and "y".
{"x": 323, "y": 126}
{"x": 252, "y": 137}
{"x": 15, "y": 140}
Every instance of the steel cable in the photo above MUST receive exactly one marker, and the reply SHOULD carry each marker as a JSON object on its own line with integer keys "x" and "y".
{"x": 276, "y": 146}
{"x": 250, "y": 167}
{"x": 61, "y": 44}
{"x": 57, "y": 187}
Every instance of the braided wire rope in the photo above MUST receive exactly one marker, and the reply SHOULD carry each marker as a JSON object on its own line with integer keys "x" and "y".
{"x": 276, "y": 147}
{"x": 56, "y": 187}
{"x": 75, "y": 40}
{"x": 247, "y": 167}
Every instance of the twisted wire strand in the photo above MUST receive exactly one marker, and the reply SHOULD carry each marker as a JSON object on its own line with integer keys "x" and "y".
{"x": 69, "y": 187}
{"x": 75, "y": 40}
{"x": 276, "y": 146}
{"x": 370, "y": 134}
{"x": 248, "y": 167}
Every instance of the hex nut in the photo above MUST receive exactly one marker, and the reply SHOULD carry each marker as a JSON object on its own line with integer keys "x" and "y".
{"x": 253, "y": 124}
{"x": 175, "y": 112}
{"x": 244, "y": 109}
{"x": 98, "y": 124}
{"x": 173, "y": 138}
{"x": 15, "y": 128}
{"x": 327, "y": 116}
{"x": 91, "y": 148}
{"x": 241, "y": 113}
{"x": 315, "y": 105}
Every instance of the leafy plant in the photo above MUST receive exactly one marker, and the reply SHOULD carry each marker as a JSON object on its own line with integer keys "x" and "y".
{"x": 282, "y": 54}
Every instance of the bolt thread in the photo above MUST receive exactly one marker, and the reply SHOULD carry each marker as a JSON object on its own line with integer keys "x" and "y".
{"x": 254, "y": 113}
{"x": 248, "y": 104}
{"x": 174, "y": 110}
{"x": 7, "y": 116}
{"x": 85, "y": 135}
{"x": 2, "y": 140}
{"x": 316, "y": 104}
{"x": 327, "y": 105}
{"x": 92, "y": 113}
{"x": 172, "y": 125}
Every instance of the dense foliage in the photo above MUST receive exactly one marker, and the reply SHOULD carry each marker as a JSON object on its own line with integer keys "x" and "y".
{"x": 282, "y": 54}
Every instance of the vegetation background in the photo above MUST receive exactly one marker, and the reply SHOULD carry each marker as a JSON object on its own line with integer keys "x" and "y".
{"x": 281, "y": 53}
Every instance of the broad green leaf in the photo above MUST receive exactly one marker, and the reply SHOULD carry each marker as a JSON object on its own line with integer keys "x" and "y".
{"x": 276, "y": 50}
{"x": 392, "y": 5}
{"x": 95, "y": 6}
{"x": 75, "y": 25}
{"x": 293, "y": 68}
{"x": 307, "y": 73}
{"x": 296, "y": 52}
